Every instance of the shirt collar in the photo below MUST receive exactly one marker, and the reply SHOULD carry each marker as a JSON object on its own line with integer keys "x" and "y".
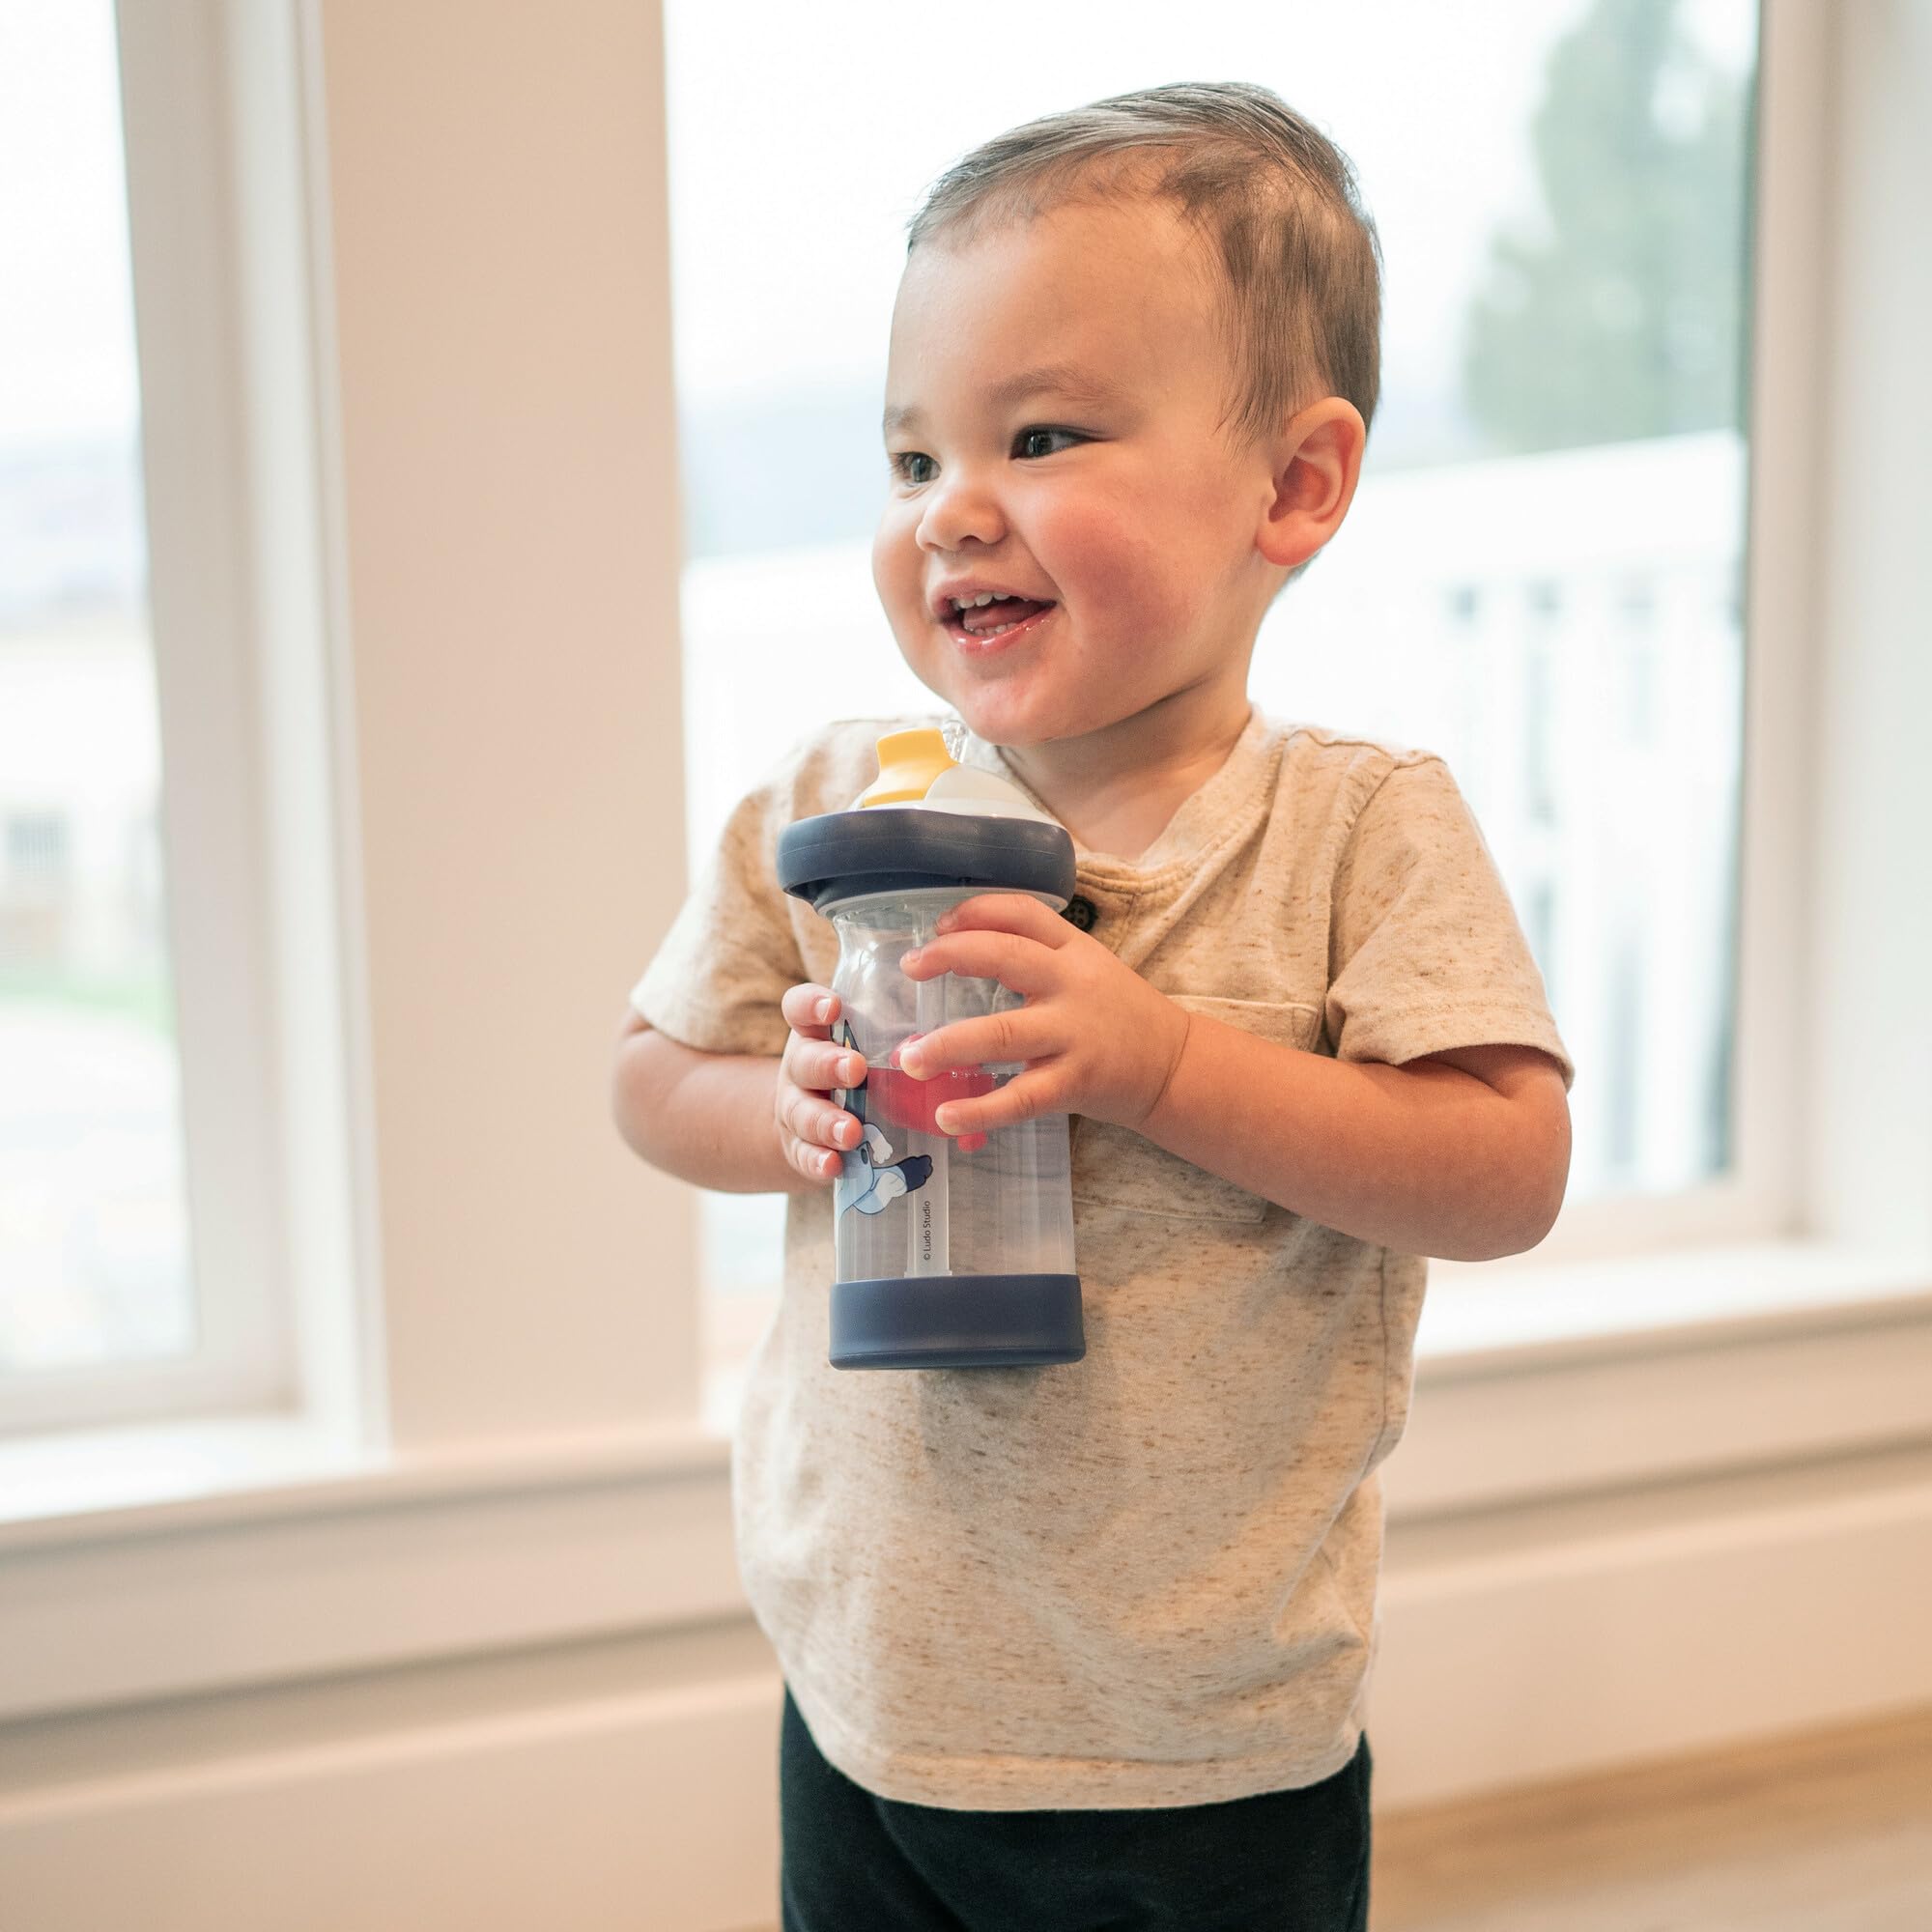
{"x": 1221, "y": 808}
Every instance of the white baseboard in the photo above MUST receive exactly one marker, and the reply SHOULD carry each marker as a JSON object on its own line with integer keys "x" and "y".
{"x": 656, "y": 1812}
{"x": 599, "y": 1792}
{"x": 1559, "y": 1640}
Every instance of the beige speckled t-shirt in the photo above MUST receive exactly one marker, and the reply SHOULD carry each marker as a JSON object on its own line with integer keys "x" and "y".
{"x": 1146, "y": 1578}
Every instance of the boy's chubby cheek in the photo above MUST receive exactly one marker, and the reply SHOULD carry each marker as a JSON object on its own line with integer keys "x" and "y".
{"x": 899, "y": 578}
{"x": 1132, "y": 538}
{"x": 1091, "y": 524}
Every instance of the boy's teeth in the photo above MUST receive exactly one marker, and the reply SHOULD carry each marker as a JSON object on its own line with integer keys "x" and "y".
{"x": 1017, "y": 610}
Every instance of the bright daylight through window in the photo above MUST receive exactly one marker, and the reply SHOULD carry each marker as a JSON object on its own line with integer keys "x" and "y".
{"x": 1541, "y": 575}
{"x": 95, "y": 1249}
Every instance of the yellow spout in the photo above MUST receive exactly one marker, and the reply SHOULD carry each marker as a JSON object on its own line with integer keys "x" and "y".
{"x": 908, "y": 763}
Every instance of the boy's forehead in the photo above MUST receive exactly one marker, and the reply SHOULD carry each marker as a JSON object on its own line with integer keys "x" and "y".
{"x": 1117, "y": 292}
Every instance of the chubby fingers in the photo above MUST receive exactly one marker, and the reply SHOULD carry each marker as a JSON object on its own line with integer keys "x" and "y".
{"x": 993, "y": 1039}
{"x": 990, "y": 1039}
{"x": 812, "y": 1131}
{"x": 1010, "y": 937}
{"x": 1020, "y": 964}
{"x": 822, "y": 1065}
{"x": 812, "y": 1059}
{"x": 1035, "y": 1092}
{"x": 1008, "y": 911}
{"x": 809, "y": 1010}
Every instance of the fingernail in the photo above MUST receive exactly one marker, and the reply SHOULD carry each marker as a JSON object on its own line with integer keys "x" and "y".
{"x": 825, "y": 1010}
{"x": 911, "y": 1060}
{"x": 854, "y": 1071}
{"x": 909, "y": 958}
{"x": 943, "y": 1118}
{"x": 831, "y": 1164}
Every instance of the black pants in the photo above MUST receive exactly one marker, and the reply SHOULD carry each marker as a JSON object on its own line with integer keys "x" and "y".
{"x": 1282, "y": 1861}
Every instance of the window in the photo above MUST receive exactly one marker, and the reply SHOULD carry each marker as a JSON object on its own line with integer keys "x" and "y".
{"x": 1538, "y": 577}
{"x": 157, "y": 808}
{"x": 95, "y": 1248}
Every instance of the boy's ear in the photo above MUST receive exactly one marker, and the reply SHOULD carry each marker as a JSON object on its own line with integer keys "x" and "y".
{"x": 1314, "y": 462}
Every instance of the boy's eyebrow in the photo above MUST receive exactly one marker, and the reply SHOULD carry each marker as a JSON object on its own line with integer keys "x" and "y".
{"x": 1061, "y": 378}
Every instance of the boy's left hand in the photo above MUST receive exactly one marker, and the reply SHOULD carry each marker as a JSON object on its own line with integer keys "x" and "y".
{"x": 1096, "y": 1039}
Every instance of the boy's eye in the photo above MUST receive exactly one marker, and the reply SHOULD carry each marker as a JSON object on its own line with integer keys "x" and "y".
{"x": 915, "y": 467}
{"x": 1028, "y": 440}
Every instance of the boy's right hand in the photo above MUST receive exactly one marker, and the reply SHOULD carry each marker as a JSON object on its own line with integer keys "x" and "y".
{"x": 812, "y": 1131}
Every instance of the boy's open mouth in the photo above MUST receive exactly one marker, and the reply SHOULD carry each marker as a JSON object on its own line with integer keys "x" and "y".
{"x": 980, "y": 623}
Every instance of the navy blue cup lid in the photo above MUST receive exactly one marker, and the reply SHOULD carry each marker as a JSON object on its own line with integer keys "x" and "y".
{"x": 883, "y": 848}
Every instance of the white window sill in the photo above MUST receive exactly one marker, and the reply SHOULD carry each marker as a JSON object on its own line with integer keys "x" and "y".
{"x": 123, "y": 1576}
{"x": 199, "y": 1472}
{"x": 194, "y": 1557}
{"x": 1487, "y": 1319}
{"x": 1536, "y": 1385}
{"x": 1478, "y": 1321}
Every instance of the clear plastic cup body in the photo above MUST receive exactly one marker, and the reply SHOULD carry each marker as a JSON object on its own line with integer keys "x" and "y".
{"x": 911, "y": 1200}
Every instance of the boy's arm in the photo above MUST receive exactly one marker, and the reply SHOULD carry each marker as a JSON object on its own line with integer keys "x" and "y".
{"x": 707, "y": 1117}
{"x": 1463, "y": 1154}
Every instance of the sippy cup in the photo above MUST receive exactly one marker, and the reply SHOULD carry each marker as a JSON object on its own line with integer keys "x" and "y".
{"x": 950, "y": 1251}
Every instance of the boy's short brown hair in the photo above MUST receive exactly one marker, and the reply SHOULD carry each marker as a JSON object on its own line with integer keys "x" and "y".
{"x": 1300, "y": 259}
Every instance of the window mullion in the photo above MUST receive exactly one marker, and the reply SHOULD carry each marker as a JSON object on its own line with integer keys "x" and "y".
{"x": 1781, "y": 797}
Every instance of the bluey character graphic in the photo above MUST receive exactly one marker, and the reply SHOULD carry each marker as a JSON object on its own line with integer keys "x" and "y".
{"x": 869, "y": 1180}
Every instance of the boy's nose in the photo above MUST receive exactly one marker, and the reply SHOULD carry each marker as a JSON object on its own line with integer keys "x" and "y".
{"x": 956, "y": 510}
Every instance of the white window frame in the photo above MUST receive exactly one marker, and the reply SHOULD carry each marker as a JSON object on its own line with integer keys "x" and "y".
{"x": 219, "y": 306}
{"x": 1811, "y": 1175}
{"x": 509, "y": 1447}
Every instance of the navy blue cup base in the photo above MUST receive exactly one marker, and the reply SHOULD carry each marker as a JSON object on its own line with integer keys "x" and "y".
{"x": 956, "y": 1322}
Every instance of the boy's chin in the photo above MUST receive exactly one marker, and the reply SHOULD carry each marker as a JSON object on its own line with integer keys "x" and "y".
{"x": 1017, "y": 712}
{"x": 984, "y": 718}
{"x": 1004, "y": 719}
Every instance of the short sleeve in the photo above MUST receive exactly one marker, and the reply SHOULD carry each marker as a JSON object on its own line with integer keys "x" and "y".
{"x": 1426, "y": 953}
{"x": 731, "y": 952}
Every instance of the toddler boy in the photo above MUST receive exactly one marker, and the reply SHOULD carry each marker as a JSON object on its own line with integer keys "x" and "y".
{"x": 1090, "y": 1644}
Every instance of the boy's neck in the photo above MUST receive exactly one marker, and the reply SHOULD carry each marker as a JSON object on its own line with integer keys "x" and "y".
{"x": 1116, "y": 790}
